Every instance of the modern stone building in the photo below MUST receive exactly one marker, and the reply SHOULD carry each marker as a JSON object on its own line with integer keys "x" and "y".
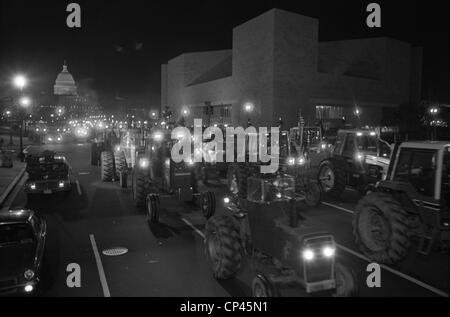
{"x": 279, "y": 68}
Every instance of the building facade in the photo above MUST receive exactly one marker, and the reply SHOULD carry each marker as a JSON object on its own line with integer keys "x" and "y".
{"x": 278, "y": 68}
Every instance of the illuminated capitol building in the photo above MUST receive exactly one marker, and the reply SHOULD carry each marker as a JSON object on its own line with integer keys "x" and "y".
{"x": 67, "y": 96}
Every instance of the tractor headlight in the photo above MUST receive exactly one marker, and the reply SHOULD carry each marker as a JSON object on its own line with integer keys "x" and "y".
{"x": 61, "y": 184}
{"x": 308, "y": 255}
{"x": 359, "y": 157}
{"x": 118, "y": 148}
{"x": 28, "y": 288}
{"x": 323, "y": 146}
{"x": 226, "y": 200}
{"x": 301, "y": 161}
{"x": 291, "y": 161}
{"x": 50, "y": 139}
{"x": 158, "y": 137}
{"x": 28, "y": 275}
{"x": 33, "y": 186}
{"x": 144, "y": 163}
{"x": 328, "y": 251}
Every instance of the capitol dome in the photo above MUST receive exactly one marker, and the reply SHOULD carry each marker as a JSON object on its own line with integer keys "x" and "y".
{"x": 65, "y": 84}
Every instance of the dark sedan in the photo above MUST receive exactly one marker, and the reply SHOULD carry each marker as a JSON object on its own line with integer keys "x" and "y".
{"x": 22, "y": 245}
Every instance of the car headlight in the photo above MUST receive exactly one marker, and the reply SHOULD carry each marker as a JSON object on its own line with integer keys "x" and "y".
{"x": 308, "y": 254}
{"x": 33, "y": 186}
{"x": 61, "y": 184}
{"x": 328, "y": 251}
{"x": 144, "y": 163}
{"x": 29, "y": 274}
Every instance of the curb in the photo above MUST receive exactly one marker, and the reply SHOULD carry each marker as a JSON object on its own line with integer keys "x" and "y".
{"x": 11, "y": 186}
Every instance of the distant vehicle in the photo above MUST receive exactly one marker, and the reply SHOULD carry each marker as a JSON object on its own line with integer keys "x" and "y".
{"x": 53, "y": 139}
{"x": 22, "y": 245}
{"x": 48, "y": 173}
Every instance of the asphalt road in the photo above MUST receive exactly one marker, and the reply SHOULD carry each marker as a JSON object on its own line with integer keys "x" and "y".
{"x": 167, "y": 259}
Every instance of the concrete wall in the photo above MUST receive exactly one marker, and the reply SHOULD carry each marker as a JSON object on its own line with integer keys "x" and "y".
{"x": 253, "y": 69}
{"x": 295, "y": 64}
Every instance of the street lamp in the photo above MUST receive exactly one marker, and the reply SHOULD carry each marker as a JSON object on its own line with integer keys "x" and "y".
{"x": 248, "y": 108}
{"x": 20, "y": 81}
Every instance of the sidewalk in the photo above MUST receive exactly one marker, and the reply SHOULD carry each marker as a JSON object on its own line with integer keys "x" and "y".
{"x": 9, "y": 178}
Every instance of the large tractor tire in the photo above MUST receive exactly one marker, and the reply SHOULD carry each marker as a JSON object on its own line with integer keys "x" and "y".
{"x": 120, "y": 162}
{"x": 332, "y": 177}
{"x": 107, "y": 169}
{"x": 346, "y": 282}
{"x": 140, "y": 187}
{"x": 223, "y": 248}
{"x": 237, "y": 179}
{"x": 313, "y": 194}
{"x": 380, "y": 227}
{"x": 208, "y": 204}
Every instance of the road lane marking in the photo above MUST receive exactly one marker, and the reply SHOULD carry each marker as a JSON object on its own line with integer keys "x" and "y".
{"x": 78, "y": 188}
{"x": 337, "y": 207}
{"x": 395, "y": 272}
{"x": 83, "y": 173}
{"x": 101, "y": 272}
{"x": 201, "y": 234}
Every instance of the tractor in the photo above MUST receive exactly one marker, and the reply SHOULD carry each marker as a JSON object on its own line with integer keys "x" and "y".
{"x": 410, "y": 205}
{"x": 358, "y": 160}
{"x": 292, "y": 162}
{"x": 156, "y": 175}
{"x": 284, "y": 250}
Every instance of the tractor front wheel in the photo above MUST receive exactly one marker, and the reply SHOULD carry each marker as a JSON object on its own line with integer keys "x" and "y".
{"x": 153, "y": 208}
{"x": 223, "y": 248}
{"x": 208, "y": 204}
{"x": 332, "y": 178}
{"x": 380, "y": 227}
{"x": 120, "y": 162}
{"x": 346, "y": 283}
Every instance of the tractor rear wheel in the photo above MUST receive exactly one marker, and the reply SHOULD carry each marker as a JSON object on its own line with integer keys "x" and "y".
{"x": 332, "y": 177}
{"x": 120, "y": 162}
{"x": 107, "y": 169}
{"x": 208, "y": 204}
{"x": 237, "y": 179}
{"x": 153, "y": 208}
{"x": 223, "y": 248}
{"x": 346, "y": 283}
{"x": 380, "y": 227}
{"x": 140, "y": 187}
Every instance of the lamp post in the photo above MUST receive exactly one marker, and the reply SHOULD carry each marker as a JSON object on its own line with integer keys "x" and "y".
{"x": 20, "y": 82}
{"x": 248, "y": 108}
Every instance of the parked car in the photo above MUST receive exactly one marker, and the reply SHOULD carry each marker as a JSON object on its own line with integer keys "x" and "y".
{"x": 22, "y": 245}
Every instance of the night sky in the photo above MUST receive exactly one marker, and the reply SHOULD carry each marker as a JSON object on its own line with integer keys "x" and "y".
{"x": 121, "y": 45}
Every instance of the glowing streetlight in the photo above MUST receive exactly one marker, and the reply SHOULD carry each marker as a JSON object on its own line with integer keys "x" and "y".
{"x": 25, "y": 102}
{"x": 249, "y": 107}
{"x": 20, "y": 81}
